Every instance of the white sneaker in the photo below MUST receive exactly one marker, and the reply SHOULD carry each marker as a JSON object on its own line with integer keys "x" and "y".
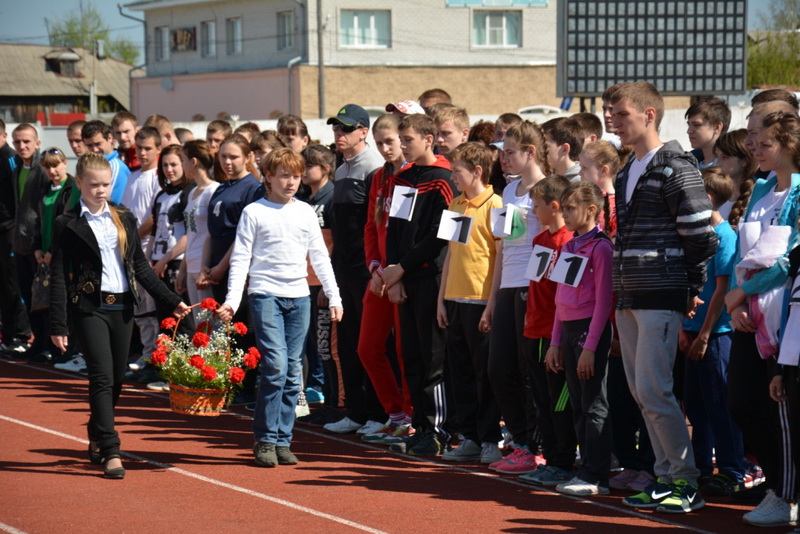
{"x": 76, "y": 365}
{"x": 490, "y": 453}
{"x": 139, "y": 364}
{"x": 580, "y": 487}
{"x": 344, "y": 425}
{"x": 467, "y": 451}
{"x": 772, "y": 511}
{"x": 370, "y": 427}
{"x": 158, "y": 386}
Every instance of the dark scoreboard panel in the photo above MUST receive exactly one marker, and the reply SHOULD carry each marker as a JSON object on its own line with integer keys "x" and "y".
{"x": 683, "y": 47}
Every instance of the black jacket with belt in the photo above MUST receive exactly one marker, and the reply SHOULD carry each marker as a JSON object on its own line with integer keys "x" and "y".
{"x": 76, "y": 269}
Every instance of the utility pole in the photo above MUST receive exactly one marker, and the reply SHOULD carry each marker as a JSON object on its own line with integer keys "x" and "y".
{"x": 320, "y": 60}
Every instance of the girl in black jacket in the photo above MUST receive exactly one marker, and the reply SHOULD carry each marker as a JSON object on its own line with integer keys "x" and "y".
{"x": 96, "y": 266}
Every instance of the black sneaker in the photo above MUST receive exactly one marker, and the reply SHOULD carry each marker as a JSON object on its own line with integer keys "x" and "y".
{"x": 408, "y": 443}
{"x": 721, "y": 485}
{"x": 685, "y": 498}
{"x": 322, "y": 416}
{"x": 285, "y": 456}
{"x": 265, "y": 454}
{"x": 243, "y": 398}
{"x": 431, "y": 444}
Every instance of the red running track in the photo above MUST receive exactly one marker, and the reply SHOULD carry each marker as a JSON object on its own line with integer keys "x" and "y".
{"x": 195, "y": 474}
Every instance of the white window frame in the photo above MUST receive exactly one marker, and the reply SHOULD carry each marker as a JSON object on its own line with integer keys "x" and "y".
{"x": 504, "y": 29}
{"x": 233, "y": 43}
{"x": 285, "y": 30}
{"x": 161, "y": 42}
{"x": 373, "y": 41}
{"x": 208, "y": 38}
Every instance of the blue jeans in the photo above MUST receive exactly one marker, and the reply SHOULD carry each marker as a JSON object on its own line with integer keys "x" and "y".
{"x": 706, "y": 403}
{"x": 280, "y": 325}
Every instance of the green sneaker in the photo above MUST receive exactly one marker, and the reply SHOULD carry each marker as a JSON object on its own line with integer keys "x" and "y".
{"x": 685, "y": 498}
{"x": 651, "y": 497}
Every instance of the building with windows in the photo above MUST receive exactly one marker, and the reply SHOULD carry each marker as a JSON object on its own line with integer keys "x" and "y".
{"x": 262, "y": 58}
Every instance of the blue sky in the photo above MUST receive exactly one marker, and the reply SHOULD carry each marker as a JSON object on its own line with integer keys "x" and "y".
{"x": 23, "y": 22}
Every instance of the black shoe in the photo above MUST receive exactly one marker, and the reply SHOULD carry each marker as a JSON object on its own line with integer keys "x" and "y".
{"x": 117, "y": 473}
{"x": 431, "y": 444}
{"x": 322, "y": 416}
{"x": 35, "y": 356}
{"x": 149, "y": 374}
{"x": 94, "y": 455}
{"x": 720, "y": 485}
{"x": 265, "y": 454}
{"x": 408, "y": 443}
{"x": 285, "y": 456}
{"x": 243, "y": 398}
{"x": 751, "y": 495}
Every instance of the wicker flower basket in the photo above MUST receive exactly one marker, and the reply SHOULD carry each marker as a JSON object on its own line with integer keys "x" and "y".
{"x": 196, "y": 401}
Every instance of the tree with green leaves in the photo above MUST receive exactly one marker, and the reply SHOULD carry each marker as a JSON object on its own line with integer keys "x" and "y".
{"x": 774, "y": 56}
{"x": 87, "y": 26}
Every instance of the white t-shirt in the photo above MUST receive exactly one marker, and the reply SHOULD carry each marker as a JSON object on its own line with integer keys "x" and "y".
{"x": 140, "y": 192}
{"x": 768, "y": 208}
{"x": 636, "y": 170}
{"x": 517, "y": 252}
{"x": 271, "y": 246}
{"x": 196, "y": 216}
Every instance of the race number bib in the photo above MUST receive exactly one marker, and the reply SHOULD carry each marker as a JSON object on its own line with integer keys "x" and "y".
{"x": 455, "y": 226}
{"x": 540, "y": 262}
{"x": 569, "y": 269}
{"x": 403, "y": 201}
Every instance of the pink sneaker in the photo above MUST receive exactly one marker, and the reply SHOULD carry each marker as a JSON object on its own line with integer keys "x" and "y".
{"x": 641, "y": 482}
{"x": 622, "y": 479}
{"x": 525, "y": 462}
{"x": 507, "y": 458}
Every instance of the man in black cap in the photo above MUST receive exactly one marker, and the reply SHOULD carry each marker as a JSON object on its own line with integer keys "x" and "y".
{"x": 350, "y": 196}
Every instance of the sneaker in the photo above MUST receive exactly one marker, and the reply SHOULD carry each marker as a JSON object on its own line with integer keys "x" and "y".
{"x": 301, "y": 408}
{"x": 621, "y": 480}
{"x": 580, "y": 487}
{"x": 265, "y": 454}
{"x": 149, "y": 374}
{"x": 685, "y": 498}
{"x": 285, "y": 456}
{"x": 430, "y": 444}
{"x": 508, "y": 439}
{"x": 322, "y": 416}
{"x": 243, "y": 398}
{"x": 139, "y": 363}
{"x": 314, "y": 396}
{"x": 398, "y": 434}
{"x": 547, "y": 475}
{"x": 18, "y": 345}
{"x": 523, "y": 463}
{"x": 754, "y": 475}
{"x": 406, "y": 443}
{"x": 158, "y": 386}
{"x": 378, "y": 435}
{"x": 651, "y": 497}
{"x": 508, "y": 458}
{"x": 369, "y": 427}
{"x": 467, "y": 451}
{"x": 720, "y": 485}
{"x": 772, "y": 512}
{"x": 640, "y": 483}
{"x": 490, "y": 453}
{"x": 76, "y": 365}
{"x": 343, "y": 426}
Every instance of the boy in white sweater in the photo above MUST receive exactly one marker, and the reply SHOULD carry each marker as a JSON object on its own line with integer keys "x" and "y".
{"x": 274, "y": 236}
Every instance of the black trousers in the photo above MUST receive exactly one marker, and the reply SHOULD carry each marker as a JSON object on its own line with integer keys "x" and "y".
{"x": 104, "y": 336}
{"x": 751, "y": 407}
{"x": 360, "y": 398}
{"x": 589, "y": 402}
{"x": 477, "y": 416}
{"x": 12, "y": 310}
{"x": 507, "y": 366}
{"x": 553, "y": 407}
{"x": 423, "y": 345}
{"x": 628, "y": 431}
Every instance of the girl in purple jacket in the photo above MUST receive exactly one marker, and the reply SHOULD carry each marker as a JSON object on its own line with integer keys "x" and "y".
{"x": 581, "y": 338}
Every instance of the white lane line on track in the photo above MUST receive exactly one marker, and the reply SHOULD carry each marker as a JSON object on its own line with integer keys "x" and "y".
{"x": 202, "y": 478}
{"x": 10, "y": 529}
{"x": 303, "y": 429}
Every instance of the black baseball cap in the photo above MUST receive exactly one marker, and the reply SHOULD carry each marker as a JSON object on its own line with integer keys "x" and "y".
{"x": 351, "y": 115}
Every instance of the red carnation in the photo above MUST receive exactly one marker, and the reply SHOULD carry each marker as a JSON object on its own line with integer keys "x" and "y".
{"x": 204, "y": 327}
{"x": 197, "y": 361}
{"x": 162, "y": 340}
{"x": 241, "y": 328}
{"x": 200, "y": 340}
{"x": 169, "y": 323}
{"x": 236, "y": 375}
{"x": 209, "y": 373}
{"x": 209, "y": 304}
{"x": 252, "y": 357}
{"x": 159, "y": 357}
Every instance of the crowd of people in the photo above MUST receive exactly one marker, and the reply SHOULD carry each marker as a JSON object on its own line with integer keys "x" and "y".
{"x": 568, "y": 293}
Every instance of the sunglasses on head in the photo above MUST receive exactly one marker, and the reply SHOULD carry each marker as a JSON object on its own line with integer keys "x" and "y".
{"x": 54, "y": 152}
{"x": 346, "y": 129}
